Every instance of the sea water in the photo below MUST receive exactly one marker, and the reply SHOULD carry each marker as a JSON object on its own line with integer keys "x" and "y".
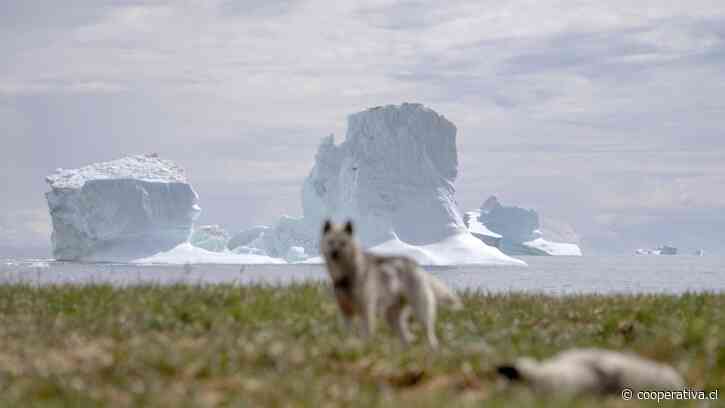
{"x": 553, "y": 275}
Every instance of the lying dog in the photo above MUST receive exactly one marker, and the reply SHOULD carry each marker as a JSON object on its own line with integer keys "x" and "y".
{"x": 593, "y": 371}
{"x": 366, "y": 285}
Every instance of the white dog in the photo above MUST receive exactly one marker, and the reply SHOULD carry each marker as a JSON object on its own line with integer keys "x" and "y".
{"x": 593, "y": 371}
{"x": 366, "y": 285}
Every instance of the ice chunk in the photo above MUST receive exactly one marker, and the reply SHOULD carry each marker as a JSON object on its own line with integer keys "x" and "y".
{"x": 454, "y": 250}
{"x": 186, "y": 253}
{"x": 513, "y": 223}
{"x": 480, "y": 231}
{"x": 248, "y": 250}
{"x": 660, "y": 250}
{"x": 245, "y": 237}
{"x": 295, "y": 254}
{"x": 210, "y": 237}
{"x": 515, "y": 230}
{"x": 553, "y": 248}
{"x": 132, "y": 207}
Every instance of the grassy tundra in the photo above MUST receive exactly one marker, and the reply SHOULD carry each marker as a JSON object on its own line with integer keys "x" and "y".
{"x": 265, "y": 346}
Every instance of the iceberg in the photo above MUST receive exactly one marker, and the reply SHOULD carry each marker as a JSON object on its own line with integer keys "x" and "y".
{"x": 661, "y": 250}
{"x": 296, "y": 254}
{"x": 552, "y": 248}
{"x": 290, "y": 232}
{"x": 457, "y": 249}
{"x": 480, "y": 231}
{"x": 246, "y": 237}
{"x": 186, "y": 253}
{"x": 135, "y": 206}
{"x": 210, "y": 237}
{"x": 515, "y": 230}
{"x": 393, "y": 175}
{"x": 134, "y": 209}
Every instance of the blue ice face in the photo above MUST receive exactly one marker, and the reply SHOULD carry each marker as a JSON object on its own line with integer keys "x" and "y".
{"x": 514, "y": 223}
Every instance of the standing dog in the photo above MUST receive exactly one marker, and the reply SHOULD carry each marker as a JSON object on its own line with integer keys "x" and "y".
{"x": 366, "y": 285}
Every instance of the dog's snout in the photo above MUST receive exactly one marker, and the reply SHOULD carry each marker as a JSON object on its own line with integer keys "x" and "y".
{"x": 334, "y": 254}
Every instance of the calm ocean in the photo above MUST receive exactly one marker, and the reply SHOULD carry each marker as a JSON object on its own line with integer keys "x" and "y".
{"x": 554, "y": 275}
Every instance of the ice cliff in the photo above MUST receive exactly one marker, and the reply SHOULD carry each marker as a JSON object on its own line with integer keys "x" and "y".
{"x": 394, "y": 176}
{"x": 134, "y": 209}
{"x": 515, "y": 230}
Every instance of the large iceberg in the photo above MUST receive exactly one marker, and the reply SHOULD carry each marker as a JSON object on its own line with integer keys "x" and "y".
{"x": 138, "y": 205}
{"x": 134, "y": 209}
{"x": 515, "y": 230}
{"x": 394, "y": 177}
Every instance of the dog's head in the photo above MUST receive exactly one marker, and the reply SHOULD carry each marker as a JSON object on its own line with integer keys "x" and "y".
{"x": 338, "y": 243}
{"x": 519, "y": 370}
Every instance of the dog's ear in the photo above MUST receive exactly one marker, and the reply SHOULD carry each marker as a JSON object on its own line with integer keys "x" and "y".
{"x": 327, "y": 227}
{"x": 509, "y": 371}
{"x": 348, "y": 228}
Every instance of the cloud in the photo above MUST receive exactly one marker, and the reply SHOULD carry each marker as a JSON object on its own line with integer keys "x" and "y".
{"x": 256, "y": 8}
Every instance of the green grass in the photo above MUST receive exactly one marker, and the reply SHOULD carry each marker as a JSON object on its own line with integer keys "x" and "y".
{"x": 266, "y": 346}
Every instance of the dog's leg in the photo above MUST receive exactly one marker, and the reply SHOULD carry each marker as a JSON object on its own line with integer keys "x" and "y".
{"x": 369, "y": 321}
{"x": 394, "y": 315}
{"x": 346, "y": 322}
{"x": 397, "y": 320}
{"x": 424, "y": 307}
{"x": 368, "y": 316}
{"x": 403, "y": 322}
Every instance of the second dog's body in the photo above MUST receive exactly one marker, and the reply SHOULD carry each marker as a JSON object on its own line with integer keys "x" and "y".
{"x": 366, "y": 285}
{"x": 593, "y": 371}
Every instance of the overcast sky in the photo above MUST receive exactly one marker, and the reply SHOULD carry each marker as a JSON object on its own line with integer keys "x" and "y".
{"x": 608, "y": 116}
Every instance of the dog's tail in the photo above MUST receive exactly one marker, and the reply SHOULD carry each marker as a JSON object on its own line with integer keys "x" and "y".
{"x": 443, "y": 294}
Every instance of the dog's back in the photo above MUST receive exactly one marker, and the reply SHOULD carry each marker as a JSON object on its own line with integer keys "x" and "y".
{"x": 400, "y": 275}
